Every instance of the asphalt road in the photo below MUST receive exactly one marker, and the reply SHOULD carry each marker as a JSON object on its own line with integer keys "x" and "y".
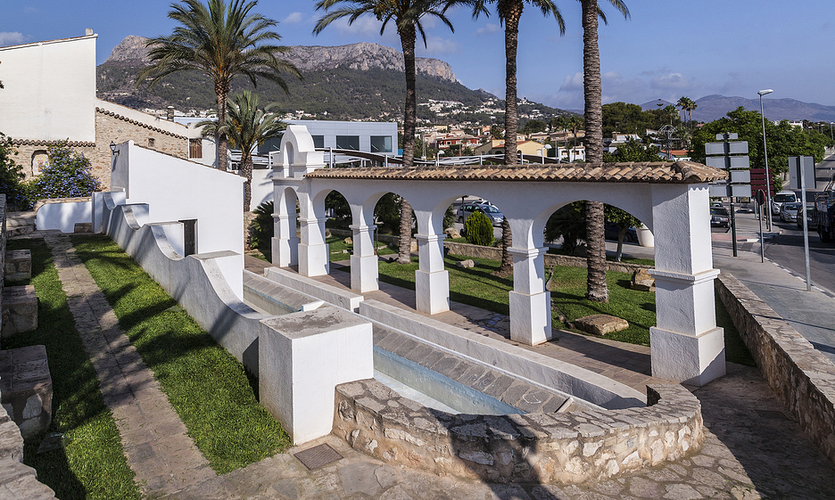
{"x": 787, "y": 250}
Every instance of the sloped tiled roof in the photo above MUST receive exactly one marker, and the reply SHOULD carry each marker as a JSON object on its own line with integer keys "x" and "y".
{"x": 680, "y": 172}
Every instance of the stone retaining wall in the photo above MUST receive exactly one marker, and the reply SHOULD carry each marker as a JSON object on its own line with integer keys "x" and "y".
{"x": 800, "y": 376}
{"x": 567, "y": 448}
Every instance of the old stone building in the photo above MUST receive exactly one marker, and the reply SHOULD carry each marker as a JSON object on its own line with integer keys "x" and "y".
{"x": 50, "y": 95}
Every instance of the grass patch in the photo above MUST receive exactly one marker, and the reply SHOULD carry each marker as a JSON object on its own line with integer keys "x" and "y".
{"x": 478, "y": 287}
{"x": 337, "y": 248}
{"x": 735, "y": 349}
{"x": 205, "y": 384}
{"x": 93, "y": 464}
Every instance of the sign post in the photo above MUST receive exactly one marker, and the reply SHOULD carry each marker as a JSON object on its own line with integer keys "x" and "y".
{"x": 719, "y": 155}
{"x": 760, "y": 203}
{"x": 801, "y": 166}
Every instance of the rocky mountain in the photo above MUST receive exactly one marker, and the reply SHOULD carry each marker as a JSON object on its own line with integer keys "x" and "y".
{"x": 358, "y": 56}
{"x": 361, "y": 81}
{"x": 716, "y": 106}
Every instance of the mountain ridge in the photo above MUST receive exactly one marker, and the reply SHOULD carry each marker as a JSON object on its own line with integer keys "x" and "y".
{"x": 715, "y": 106}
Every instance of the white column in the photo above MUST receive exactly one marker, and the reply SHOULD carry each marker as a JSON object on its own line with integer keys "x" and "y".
{"x": 364, "y": 272}
{"x": 285, "y": 243}
{"x": 431, "y": 280}
{"x": 530, "y": 303}
{"x": 313, "y": 251}
{"x": 686, "y": 345}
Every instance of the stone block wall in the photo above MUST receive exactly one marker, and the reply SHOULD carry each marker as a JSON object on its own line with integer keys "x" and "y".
{"x": 567, "y": 448}
{"x": 801, "y": 377}
{"x": 18, "y": 265}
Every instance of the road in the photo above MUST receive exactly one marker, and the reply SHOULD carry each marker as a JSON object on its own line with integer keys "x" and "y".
{"x": 786, "y": 249}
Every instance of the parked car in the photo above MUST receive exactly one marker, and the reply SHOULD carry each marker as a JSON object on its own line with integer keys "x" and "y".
{"x": 720, "y": 217}
{"x": 487, "y": 209}
{"x": 780, "y": 198}
{"x": 811, "y": 220}
{"x": 611, "y": 231}
{"x": 788, "y": 212}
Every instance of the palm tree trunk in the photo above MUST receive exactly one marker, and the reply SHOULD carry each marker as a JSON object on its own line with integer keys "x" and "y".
{"x": 222, "y": 91}
{"x": 506, "y": 268}
{"x": 246, "y": 173}
{"x": 511, "y": 119}
{"x": 407, "y": 42}
{"x": 404, "y": 251}
{"x": 596, "y": 281}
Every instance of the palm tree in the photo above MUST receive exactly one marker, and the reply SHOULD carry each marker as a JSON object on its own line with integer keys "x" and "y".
{"x": 684, "y": 104}
{"x": 247, "y": 127}
{"x": 596, "y": 281}
{"x": 221, "y": 41}
{"x": 510, "y": 11}
{"x": 407, "y": 16}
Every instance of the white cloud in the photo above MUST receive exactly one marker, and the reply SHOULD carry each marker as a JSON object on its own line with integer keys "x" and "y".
{"x": 294, "y": 18}
{"x": 572, "y": 83}
{"x": 488, "y": 29}
{"x": 363, "y": 26}
{"x": 669, "y": 82}
{"x": 436, "y": 45}
{"x": 11, "y": 38}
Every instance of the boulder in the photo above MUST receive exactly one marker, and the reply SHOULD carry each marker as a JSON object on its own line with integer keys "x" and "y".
{"x": 643, "y": 281}
{"x": 465, "y": 264}
{"x": 348, "y": 241}
{"x": 451, "y": 232}
{"x": 601, "y": 324}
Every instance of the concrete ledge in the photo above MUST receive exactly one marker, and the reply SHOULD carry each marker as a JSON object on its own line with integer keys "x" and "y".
{"x": 534, "y": 367}
{"x": 272, "y": 298}
{"x": 541, "y": 447}
{"x": 309, "y": 286}
{"x": 801, "y": 377}
{"x": 19, "y": 309}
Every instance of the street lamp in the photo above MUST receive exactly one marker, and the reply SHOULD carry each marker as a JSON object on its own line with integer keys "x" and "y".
{"x": 545, "y": 152}
{"x": 761, "y": 93}
{"x": 438, "y": 157}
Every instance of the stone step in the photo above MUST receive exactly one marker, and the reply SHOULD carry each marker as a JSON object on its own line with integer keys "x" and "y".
{"x": 19, "y": 309}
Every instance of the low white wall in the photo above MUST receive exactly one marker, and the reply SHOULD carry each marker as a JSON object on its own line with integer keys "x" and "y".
{"x": 198, "y": 282}
{"x": 262, "y": 187}
{"x": 64, "y": 215}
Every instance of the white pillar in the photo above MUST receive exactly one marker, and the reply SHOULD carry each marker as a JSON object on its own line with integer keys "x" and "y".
{"x": 364, "y": 271}
{"x": 431, "y": 280}
{"x": 530, "y": 303}
{"x": 686, "y": 345}
{"x": 285, "y": 243}
{"x": 314, "y": 257}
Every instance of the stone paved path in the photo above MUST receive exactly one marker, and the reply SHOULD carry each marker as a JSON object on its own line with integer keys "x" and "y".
{"x": 158, "y": 450}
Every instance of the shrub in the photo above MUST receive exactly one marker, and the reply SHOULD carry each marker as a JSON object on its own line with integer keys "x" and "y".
{"x": 262, "y": 228}
{"x": 11, "y": 176}
{"x": 68, "y": 175}
{"x": 479, "y": 229}
{"x": 449, "y": 217}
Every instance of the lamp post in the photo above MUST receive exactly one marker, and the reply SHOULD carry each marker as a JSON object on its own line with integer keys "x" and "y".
{"x": 761, "y": 93}
{"x": 438, "y": 157}
{"x": 545, "y": 152}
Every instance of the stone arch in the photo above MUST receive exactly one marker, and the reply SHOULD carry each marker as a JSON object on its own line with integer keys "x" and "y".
{"x": 40, "y": 160}
{"x": 285, "y": 242}
{"x": 298, "y": 153}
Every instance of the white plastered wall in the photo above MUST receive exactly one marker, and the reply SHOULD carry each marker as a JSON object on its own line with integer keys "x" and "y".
{"x": 50, "y": 90}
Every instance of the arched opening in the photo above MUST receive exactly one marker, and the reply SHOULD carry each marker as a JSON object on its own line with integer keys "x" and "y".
{"x": 283, "y": 249}
{"x": 387, "y": 220}
{"x": 338, "y": 224}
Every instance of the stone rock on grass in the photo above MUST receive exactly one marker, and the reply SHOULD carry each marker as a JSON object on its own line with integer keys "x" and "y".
{"x": 643, "y": 281}
{"x": 451, "y": 232}
{"x": 348, "y": 241}
{"x": 601, "y": 324}
{"x": 465, "y": 264}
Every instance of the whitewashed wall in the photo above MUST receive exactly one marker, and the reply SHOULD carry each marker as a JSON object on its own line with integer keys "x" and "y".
{"x": 262, "y": 187}
{"x": 176, "y": 189}
{"x": 64, "y": 215}
{"x": 50, "y": 90}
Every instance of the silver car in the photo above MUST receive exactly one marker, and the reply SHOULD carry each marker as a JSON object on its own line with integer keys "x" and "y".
{"x": 490, "y": 211}
{"x": 788, "y": 213}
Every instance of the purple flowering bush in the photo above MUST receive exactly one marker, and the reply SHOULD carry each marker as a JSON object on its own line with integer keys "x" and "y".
{"x": 68, "y": 175}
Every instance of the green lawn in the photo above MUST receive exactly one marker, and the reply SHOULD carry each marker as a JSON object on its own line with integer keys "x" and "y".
{"x": 337, "y": 248}
{"x": 205, "y": 384}
{"x": 478, "y": 287}
{"x": 93, "y": 464}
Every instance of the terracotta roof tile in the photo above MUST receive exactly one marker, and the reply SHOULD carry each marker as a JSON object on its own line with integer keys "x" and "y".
{"x": 680, "y": 172}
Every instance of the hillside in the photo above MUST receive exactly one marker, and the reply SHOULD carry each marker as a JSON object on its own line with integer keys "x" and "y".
{"x": 362, "y": 81}
{"x": 716, "y": 106}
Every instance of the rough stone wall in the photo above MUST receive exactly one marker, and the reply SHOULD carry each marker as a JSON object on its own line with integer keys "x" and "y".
{"x": 567, "y": 448}
{"x": 495, "y": 253}
{"x": 110, "y": 127}
{"x": 802, "y": 377}
{"x": 2, "y": 250}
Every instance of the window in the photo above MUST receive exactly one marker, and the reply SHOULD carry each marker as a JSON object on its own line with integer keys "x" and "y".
{"x": 381, "y": 144}
{"x": 318, "y": 141}
{"x": 348, "y": 142}
{"x": 151, "y": 142}
{"x": 195, "y": 148}
{"x": 271, "y": 144}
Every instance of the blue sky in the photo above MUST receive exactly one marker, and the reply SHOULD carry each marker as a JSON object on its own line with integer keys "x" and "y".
{"x": 667, "y": 49}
